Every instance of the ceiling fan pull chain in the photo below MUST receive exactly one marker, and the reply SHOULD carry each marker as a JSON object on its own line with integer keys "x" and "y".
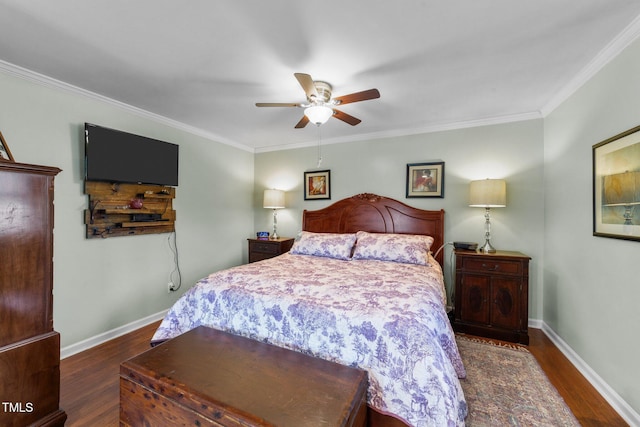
{"x": 319, "y": 149}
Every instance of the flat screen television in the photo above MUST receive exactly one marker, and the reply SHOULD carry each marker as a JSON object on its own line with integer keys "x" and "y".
{"x": 116, "y": 156}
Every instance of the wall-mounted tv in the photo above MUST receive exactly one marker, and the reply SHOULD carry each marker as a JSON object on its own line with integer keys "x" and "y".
{"x": 116, "y": 156}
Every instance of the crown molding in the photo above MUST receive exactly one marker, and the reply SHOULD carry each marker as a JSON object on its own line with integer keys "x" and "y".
{"x": 439, "y": 127}
{"x": 41, "y": 79}
{"x": 50, "y": 82}
{"x": 606, "y": 55}
{"x": 627, "y": 36}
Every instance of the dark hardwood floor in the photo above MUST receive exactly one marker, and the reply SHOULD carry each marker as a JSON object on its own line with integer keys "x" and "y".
{"x": 89, "y": 389}
{"x": 90, "y": 380}
{"x": 589, "y": 407}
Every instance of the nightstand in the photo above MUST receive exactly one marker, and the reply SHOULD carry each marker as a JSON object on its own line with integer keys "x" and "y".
{"x": 260, "y": 249}
{"x": 492, "y": 295}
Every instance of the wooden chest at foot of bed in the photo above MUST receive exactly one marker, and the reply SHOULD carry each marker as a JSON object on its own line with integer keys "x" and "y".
{"x": 210, "y": 378}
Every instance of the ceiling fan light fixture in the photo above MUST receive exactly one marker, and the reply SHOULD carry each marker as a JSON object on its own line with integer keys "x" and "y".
{"x": 320, "y": 106}
{"x": 318, "y": 114}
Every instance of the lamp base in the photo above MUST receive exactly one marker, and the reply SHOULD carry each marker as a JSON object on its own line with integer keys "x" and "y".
{"x": 274, "y": 235}
{"x": 487, "y": 248}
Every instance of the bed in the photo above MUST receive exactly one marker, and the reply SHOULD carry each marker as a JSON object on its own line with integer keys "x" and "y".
{"x": 360, "y": 287}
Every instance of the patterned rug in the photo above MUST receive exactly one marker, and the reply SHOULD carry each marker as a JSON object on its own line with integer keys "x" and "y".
{"x": 505, "y": 386}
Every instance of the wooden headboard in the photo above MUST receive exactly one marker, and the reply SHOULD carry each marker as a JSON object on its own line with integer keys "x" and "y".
{"x": 376, "y": 214}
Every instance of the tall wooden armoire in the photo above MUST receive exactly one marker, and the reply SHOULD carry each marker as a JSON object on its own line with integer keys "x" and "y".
{"x": 29, "y": 347}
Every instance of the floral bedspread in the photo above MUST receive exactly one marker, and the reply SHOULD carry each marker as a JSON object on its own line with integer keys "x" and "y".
{"x": 385, "y": 317}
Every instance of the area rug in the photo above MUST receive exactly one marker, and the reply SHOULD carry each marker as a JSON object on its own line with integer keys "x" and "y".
{"x": 505, "y": 386}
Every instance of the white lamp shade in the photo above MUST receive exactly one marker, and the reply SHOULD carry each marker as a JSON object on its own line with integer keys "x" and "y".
{"x": 273, "y": 199}
{"x": 488, "y": 193}
{"x": 318, "y": 114}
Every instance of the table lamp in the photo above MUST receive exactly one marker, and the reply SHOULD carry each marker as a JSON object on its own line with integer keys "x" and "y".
{"x": 488, "y": 193}
{"x": 274, "y": 199}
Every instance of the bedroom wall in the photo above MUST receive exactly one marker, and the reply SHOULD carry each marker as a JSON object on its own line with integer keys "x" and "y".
{"x": 591, "y": 290}
{"x": 511, "y": 151}
{"x": 103, "y": 284}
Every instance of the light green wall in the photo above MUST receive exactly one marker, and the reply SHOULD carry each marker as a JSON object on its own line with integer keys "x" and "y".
{"x": 592, "y": 284}
{"x": 510, "y": 151}
{"x": 103, "y": 284}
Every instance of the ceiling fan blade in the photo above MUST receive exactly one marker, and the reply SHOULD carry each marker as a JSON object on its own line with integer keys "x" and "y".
{"x": 306, "y": 82}
{"x": 276, "y": 104}
{"x": 358, "y": 96}
{"x": 345, "y": 117}
{"x": 303, "y": 122}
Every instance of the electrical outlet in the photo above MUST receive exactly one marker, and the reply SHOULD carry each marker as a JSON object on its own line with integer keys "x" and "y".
{"x": 170, "y": 287}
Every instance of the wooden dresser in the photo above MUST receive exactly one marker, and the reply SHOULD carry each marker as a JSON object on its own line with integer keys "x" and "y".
{"x": 29, "y": 347}
{"x": 492, "y": 295}
{"x": 260, "y": 249}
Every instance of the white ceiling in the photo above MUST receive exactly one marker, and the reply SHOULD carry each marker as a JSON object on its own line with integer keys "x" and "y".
{"x": 205, "y": 63}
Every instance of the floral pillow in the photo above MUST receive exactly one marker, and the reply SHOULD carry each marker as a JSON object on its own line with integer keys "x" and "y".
{"x": 404, "y": 248}
{"x": 331, "y": 245}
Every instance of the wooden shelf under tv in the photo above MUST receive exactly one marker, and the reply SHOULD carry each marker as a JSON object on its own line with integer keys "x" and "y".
{"x": 110, "y": 213}
{"x": 144, "y": 224}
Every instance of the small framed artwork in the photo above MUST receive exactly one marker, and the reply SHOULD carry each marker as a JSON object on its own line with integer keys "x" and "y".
{"x": 5, "y": 153}
{"x": 616, "y": 186}
{"x": 425, "y": 179}
{"x": 317, "y": 185}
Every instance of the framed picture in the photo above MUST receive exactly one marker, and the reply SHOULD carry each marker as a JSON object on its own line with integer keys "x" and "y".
{"x": 425, "y": 179}
{"x": 317, "y": 185}
{"x": 5, "y": 153}
{"x": 616, "y": 186}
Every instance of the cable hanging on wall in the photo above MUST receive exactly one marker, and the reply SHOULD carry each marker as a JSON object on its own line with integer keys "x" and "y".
{"x": 175, "y": 276}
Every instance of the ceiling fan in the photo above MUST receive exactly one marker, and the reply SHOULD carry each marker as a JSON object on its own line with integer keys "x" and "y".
{"x": 320, "y": 107}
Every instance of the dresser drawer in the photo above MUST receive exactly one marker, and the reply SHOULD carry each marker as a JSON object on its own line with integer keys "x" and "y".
{"x": 493, "y": 266}
{"x": 264, "y": 247}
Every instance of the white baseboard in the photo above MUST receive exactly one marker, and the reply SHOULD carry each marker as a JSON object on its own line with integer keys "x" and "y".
{"x": 83, "y": 345}
{"x": 535, "y": 323}
{"x": 609, "y": 394}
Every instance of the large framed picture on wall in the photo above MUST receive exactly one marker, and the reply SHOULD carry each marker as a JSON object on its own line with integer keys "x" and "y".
{"x": 616, "y": 186}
